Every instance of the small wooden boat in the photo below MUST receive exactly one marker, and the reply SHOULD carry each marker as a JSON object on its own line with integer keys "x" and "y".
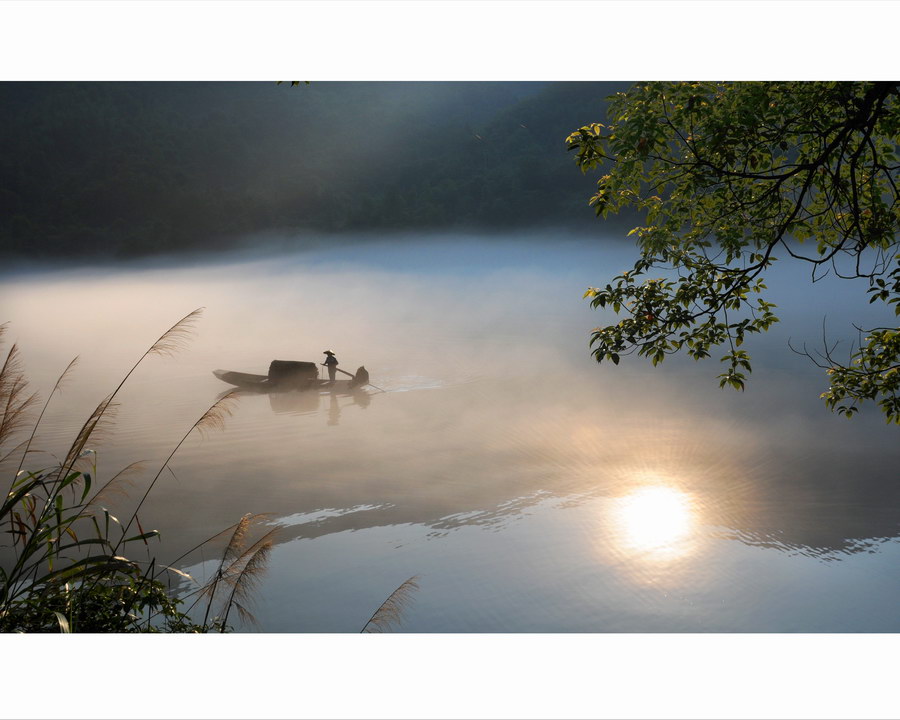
{"x": 287, "y": 375}
{"x": 262, "y": 383}
{"x": 248, "y": 381}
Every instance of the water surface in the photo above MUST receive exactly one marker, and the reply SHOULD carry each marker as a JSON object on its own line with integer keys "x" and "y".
{"x": 528, "y": 488}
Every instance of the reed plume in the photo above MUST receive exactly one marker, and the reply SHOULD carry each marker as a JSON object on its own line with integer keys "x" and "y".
{"x": 15, "y": 402}
{"x": 239, "y": 569}
{"x": 168, "y": 343}
{"x": 235, "y": 546}
{"x": 60, "y": 381}
{"x": 212, "y": 538}
{"x": 213, "y": 418}
{"x": 59, "y": 572}
{"x": 390, "y": 613}
{"x": 247, "y": 564}
{"x": 100, "y": 420}
{"x": 233, "y": 550}
{"x": 117, "y": 486}
{"x": 247, "y": 580}
{"x": 176, "y": 337}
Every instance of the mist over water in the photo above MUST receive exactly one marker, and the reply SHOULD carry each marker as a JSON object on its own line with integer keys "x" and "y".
{"x": 530, "y": 489}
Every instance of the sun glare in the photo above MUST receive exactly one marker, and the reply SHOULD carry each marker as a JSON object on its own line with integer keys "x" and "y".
{"x": 655, "y": 520}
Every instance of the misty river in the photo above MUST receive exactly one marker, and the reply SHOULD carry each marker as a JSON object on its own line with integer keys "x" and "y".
{"x": 526, "y": 487}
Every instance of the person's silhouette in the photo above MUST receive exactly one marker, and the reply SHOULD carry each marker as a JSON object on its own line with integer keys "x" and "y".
{"x": 361, "y": 378}
{"x": 331, "y": 363}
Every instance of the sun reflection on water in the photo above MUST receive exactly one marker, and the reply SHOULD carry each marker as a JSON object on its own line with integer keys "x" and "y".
{"x": 655, "y": 520}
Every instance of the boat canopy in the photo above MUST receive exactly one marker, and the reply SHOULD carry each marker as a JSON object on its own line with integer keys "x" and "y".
{"x": 293, "y": 369}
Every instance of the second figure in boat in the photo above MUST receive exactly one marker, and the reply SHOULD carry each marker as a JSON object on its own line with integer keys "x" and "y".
{"x": 361, "y": 379}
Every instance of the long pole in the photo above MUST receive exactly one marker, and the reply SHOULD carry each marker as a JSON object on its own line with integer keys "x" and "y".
{"x": 354, "y": 377}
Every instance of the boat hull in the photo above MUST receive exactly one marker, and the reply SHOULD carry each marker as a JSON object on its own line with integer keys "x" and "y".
{"x": 261, "y": 383}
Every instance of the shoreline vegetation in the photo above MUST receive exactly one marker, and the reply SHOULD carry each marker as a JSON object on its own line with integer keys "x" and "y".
{"x": 64, "y": 567}
{"x": 63, "y": 563}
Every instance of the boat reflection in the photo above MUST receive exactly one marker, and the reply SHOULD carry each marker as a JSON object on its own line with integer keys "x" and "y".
{"x": 304, "y": 402}
{"x": 308, "y": 401}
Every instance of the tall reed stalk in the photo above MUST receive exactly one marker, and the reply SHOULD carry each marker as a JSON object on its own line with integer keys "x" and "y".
{"x": 62, "y": 566}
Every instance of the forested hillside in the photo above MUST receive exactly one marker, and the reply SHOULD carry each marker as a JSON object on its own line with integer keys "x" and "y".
{"x": 139, "y": 168}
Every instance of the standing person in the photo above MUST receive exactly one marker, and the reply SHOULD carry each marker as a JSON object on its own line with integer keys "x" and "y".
{"x": 331, "y": 363}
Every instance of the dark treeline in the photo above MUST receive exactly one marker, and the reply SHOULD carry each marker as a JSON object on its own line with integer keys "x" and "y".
{"x": 140, "y": 168}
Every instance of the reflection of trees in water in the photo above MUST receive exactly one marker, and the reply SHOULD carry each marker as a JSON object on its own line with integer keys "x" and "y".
{"x": 819, "y": 512}
{"x": 818, "y": 509}
{"x": 836, "y": 504}
{"x": 776, "y": 541}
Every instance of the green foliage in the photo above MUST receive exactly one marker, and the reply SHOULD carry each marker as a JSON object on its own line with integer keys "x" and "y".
{"x": 62, "y": 561}
{"x": 725, "y": 176}
{"x": 66, "y": 572}
{"x": 62, "y": 553}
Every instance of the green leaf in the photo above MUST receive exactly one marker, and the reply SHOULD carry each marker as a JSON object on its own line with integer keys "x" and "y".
{"x": 711, "y": 228}
{"x": 143, "y": 536}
